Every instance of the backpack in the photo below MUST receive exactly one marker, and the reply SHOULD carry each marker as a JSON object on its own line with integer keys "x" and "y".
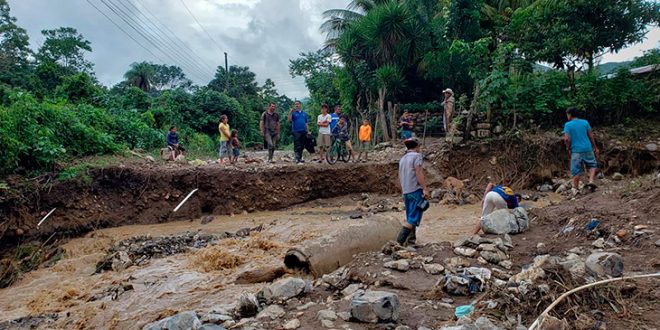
{"x": 310, "y": 143}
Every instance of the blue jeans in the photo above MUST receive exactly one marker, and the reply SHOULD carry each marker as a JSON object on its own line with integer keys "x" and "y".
{"x": 406, "y": 134}
{"x": 579, "y": 158}
{"x": 413, "y": 213}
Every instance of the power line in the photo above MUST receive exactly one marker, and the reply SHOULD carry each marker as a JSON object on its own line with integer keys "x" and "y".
{"x": 175, "y": 56}
{"x": 145, "y": 37}
{"x": 181, "y": 46}
{"x": 126, "y": 33}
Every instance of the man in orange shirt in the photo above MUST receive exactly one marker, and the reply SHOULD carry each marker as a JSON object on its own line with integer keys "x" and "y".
{"x": 364, "y": 137}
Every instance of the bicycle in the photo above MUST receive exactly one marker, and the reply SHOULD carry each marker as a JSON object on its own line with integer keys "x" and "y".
{"x": 337, "y": 151}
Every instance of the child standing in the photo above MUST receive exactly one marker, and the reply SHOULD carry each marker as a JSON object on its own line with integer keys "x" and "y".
{"x": 365, "y": 138}
{"x": 235, "y": 146}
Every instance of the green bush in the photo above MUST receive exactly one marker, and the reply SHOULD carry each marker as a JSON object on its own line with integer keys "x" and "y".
{"x": 36, "y": 134}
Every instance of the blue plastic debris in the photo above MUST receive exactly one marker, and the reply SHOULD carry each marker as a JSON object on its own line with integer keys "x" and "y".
{"x": 463, "y": 311}
{"x": 593, "y": 223}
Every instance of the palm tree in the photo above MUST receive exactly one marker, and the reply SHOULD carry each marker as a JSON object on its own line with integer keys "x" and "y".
{"x": 141, "y": 75}
{"x": 338, "y": 20}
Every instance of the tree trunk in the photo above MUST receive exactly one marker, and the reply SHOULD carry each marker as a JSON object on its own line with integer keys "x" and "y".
{"x": 392, "y": 112}
{"x": 381, "y": 113}
{"x": 473, "y": 110}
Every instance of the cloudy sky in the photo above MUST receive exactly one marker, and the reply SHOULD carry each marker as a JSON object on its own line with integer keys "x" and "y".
{"x": 261, "y": 34}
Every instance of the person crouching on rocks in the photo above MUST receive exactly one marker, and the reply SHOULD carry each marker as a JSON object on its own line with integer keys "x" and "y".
{"x": 497, "y": 198}
{"x": 414, "y": 189}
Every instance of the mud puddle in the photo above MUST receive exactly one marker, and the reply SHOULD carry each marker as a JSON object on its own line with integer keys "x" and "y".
{"x": 196, "y": 280}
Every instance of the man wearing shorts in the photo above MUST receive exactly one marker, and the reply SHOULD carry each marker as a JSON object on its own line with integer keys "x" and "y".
{"x": 414, "y": 189}
{"x": 497, "y": 198}
{"x": 581, "y": 147}
{"x": 325, "y": 135}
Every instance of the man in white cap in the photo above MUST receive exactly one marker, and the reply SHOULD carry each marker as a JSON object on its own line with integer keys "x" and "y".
{"x": 449, "y": 108}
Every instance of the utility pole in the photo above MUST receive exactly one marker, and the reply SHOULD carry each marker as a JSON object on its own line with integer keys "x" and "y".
{"x": 226, "y": 74}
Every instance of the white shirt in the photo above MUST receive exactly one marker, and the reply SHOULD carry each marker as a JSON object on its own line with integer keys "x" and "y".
{"x": 324, "y": 119}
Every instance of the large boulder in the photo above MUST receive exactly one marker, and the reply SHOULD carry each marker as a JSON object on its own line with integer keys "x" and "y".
{"x": 604, "y": 264}
{"x": 283, "y": 289}
{"x": 375, "y": 306}
{"x": 182, "y": 321}
{"x": 505, "y": 222}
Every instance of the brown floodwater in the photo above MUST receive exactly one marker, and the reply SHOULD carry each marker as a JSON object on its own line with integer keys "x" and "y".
{"x": 179, "y": 282}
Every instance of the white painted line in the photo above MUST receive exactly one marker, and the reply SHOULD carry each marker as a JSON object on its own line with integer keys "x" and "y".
{"x": 185, "y": 199}
{"x": 46, "y": 217}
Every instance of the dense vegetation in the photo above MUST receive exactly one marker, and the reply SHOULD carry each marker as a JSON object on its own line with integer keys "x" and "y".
{"x": 52, "y": 108}
{"x": 488, "y": 52}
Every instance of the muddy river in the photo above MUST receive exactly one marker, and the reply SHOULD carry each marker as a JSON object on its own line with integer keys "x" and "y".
{"x": 180, "y": 282}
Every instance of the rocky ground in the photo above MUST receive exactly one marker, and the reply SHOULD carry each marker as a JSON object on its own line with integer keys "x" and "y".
{"x": 205, "y": 274}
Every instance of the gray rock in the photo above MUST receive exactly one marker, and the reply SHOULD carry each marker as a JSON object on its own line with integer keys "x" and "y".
{"x": 438, "y": 193}
{"x": 211, "y": 327}
{"x": 306, "y": 306}
{"x": 617, "y": 176}
{"x": 465, "y": 252}
{"x": 283, "y": 289}
{"x": 506, "y": 222}
{"x": 182, "y": 321}
{"x": 346, "y": 316}
{"x": 605, "y": 264}
{"x": 272, "y": 312}
{"x": 150, "y": 158}
{"x": 337, "y": 279}
{"x": 493, "y": 257}
{"x": 506, "y": 264}
{"x": 574, "y": 265}
{"x": 433, "y": 269}
{"x": 247, "y": 306}
{"x": 461, "y": 327}
{"x": 545, "y": 188}
{"x": 599, "y": 243}
{"x": 292, "y": 325}
{"x": 487, "y": 247}
{"x": 351, "y": 289}
{"x": 484, "y": 323}
{"x": 402, "y": 327}
{"x": 327, "y": 324}
{"x": 401, "y": 265}
{"x": 455, "y": 285}
{"x": 326, "y": 314}
{"x": 657, "y": 243}
{"x": 651, "y": 147}
{"x": 375, "y": 306}
{"x": 215, "y": 318}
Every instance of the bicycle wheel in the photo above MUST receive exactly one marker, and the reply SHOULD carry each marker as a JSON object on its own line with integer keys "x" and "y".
{"x": 332, "y": 154}
{"x": 345, "y": 155}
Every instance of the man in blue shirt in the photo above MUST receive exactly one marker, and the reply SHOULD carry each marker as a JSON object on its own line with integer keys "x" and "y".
{"x": 581, "y": 147}
{"x": 298, "y": 119}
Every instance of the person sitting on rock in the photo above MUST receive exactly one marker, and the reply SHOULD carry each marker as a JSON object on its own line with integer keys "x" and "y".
{"x": 497, "y": 198}
{"x": 173, "y": 144}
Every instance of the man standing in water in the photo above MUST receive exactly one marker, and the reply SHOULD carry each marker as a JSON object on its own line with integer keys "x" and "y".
{"x": 270, "y": 129}
{"x": 581, "y": 147}
{"x": 298, "y": 119}
{"x": 414, "y": 189}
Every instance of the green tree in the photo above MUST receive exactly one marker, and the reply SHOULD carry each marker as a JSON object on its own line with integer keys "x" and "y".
{"x": 78, "y": 88}
{"x": 66, "y": 47}
{"x": 338, "y": 20}
{"x": 573, "y": 33}
{"x": 169, "y": 77}
{"x": 240, "y": 81}
{"x": 14, "y": 48}
{"x": 141, "y": 75}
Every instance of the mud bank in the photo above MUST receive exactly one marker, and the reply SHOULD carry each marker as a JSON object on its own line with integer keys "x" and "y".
{"x": 120, "y": 196}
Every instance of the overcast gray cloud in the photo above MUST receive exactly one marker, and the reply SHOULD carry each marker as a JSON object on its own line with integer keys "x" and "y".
{"x": 261, "y": 34}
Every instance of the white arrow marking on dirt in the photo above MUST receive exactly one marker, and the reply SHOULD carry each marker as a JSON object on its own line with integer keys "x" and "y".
{"x": 46, "y": 217}
{"x": 184, "y": 200}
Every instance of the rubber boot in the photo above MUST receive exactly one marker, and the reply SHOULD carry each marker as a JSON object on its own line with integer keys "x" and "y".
{"x": 412, "y": 238}
{"x": 403, "y": 235}
{"x": 270, "y": 155}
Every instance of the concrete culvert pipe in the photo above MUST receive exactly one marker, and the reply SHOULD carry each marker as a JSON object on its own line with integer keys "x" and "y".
{"x": 325, "y": 254}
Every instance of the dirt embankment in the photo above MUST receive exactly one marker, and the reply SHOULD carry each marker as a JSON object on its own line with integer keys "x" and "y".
{"x": 147, "y": 193}
{"x": 131, "y": 195}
